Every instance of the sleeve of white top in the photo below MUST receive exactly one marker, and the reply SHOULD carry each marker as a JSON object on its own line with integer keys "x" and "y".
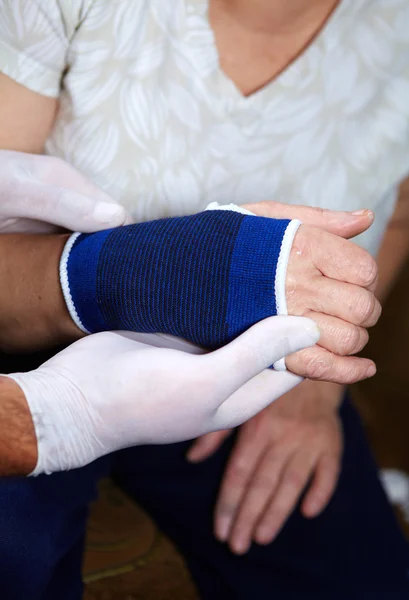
{"x": 35, "y": 37}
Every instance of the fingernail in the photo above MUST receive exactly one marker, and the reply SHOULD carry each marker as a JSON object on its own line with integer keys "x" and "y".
{"x": 222, "y": 529}
{"x": 105, "y": 212}
{"x": 371, "y": 371}
{"x": 362, "y": 212}
{"x": 313, "y": 331}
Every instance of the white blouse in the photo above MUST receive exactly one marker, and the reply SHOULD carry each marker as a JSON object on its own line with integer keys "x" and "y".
{"x": 148, "y": 114}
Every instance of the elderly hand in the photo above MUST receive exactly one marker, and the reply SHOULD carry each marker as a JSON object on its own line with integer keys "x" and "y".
{"x": 330, "y": 280}
{"x": 293, "y": 446}
{"x": 114, "y": 390}
{"x": 208, "y": 277}
{"x": 39, "y": 194}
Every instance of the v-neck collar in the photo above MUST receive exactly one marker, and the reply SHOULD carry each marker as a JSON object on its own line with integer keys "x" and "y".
{"x": 224, "y": 88}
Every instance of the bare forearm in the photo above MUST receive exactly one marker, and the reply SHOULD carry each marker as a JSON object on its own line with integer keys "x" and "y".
{"x": 18, "y": 443}
{"x": 33, "y": 314}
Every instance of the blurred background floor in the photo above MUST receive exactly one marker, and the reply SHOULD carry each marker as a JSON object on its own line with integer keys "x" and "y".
{"x": 127, "y": 557}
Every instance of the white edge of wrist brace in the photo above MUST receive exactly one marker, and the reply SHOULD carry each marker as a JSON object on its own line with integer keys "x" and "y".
{"x": 281, "y": 272}
{"x": 281, "y": 276}
{"x": 65, "y": 284}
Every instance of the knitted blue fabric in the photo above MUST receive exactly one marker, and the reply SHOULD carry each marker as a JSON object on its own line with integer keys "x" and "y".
{"x": 205, "y": 278}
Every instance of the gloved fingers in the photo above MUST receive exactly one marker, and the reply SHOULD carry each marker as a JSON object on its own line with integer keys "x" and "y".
{"x": 56, "y": 172}
{"x": 257, "y": 349}
{"x": 63, "y": 207}
{"x": 254, "y": 396}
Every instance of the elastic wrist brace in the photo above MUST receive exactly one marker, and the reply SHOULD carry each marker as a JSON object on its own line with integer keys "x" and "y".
{"x": 205, "y": 278}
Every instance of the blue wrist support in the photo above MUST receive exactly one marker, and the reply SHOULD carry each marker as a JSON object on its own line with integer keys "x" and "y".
{"x": 206, "y": 277}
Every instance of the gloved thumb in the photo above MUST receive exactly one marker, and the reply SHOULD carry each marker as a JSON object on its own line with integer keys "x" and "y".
{"x": 259, "y": 348}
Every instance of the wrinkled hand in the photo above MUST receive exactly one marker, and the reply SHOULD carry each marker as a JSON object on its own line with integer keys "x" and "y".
{"x": 332, "y": 281}
{"x": 294, "y": 441}
{"x": 39, "y": 194}
{"x": 113, "y": 390}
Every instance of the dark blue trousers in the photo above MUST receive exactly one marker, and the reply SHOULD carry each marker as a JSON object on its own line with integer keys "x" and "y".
{"x": 353, "y": 551}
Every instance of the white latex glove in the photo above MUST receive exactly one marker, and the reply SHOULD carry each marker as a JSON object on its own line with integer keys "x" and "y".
{"x": 38, "y": 194}
{"x": 110, "y": 391}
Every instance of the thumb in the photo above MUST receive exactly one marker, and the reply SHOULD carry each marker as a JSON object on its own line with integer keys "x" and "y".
{"x": 69, "y": 209}
{"x": 259, "y": 348}
{"x": 206, "y": 445}
{"x": 342, "y": 223}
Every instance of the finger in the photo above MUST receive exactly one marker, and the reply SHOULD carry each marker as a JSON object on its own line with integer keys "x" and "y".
{"x": 257, "y": 349}
{"x": 254, "y": 396}
{"x": 344, "y": 224}
{"x": 292, "y": 484}
{"x": 56, "y": 172}
{"x": 260, "y": 490}
{"x": 346, "y": 301}
{"x": 238, "y": 473}
{"x": 322, "y": 486}
{"x": 339, "y": 259}
{"x": 206, "y": 445}
{"x": 319, "y": 364}
{"x": 68, "y": 208}
{"x": 338, "y": 336}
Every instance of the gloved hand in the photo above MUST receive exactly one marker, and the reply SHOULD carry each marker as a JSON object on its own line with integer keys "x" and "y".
{"x": 38, "y": 194}
{"x": 110, "y": 391}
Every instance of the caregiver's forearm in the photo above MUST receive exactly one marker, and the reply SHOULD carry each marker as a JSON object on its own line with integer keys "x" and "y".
{"x": 18, "y": 442}
{"x": 33, "y": 314}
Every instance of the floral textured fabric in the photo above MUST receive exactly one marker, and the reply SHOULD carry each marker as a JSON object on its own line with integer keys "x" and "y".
{"x": 148, "y": 114}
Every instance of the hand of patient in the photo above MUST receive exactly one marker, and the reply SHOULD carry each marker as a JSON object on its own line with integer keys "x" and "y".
{"x": 210, "y": 276}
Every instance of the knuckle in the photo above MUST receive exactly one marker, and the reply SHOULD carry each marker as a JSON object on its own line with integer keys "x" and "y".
{"x": 225, "y": 509}
{"x": 363, "y": 338}
{"x": 368, "y": 270}
{"x": 263, "y": 483}
{"x": 351, "y": 341}
{"x": 293, "y": 479}
{"x": 238, "y": 473}
{"x": 364, "y": 307}
{"x": 317, "y": 366}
